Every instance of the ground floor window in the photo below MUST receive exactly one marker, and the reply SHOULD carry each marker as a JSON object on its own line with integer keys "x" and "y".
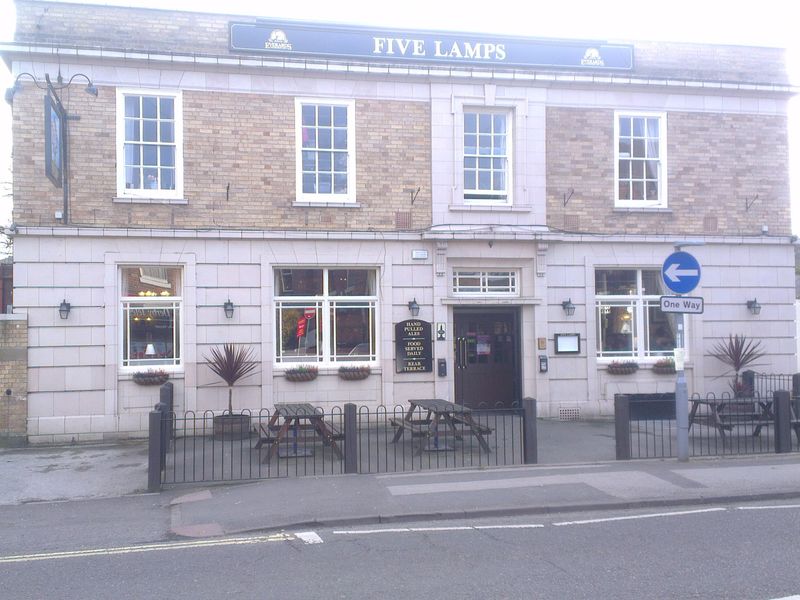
{"x": 630, "y": 322}
{"x": 151, "y": 316}
{"x": 325, "y": 315}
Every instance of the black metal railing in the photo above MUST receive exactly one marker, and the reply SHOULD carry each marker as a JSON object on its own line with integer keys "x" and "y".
{"x": 718, "y": 425}
{"x": 211, "y": 446}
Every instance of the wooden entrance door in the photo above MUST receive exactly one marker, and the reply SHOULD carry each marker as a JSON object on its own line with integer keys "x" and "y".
{"x": 486, "y": 358}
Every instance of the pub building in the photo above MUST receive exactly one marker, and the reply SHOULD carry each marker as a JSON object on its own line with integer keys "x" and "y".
{"x": 477, "y": 218}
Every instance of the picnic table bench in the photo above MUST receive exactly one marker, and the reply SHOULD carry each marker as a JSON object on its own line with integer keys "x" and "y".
{"x": 443, "y": 418}
{"x": 297, "y": 417}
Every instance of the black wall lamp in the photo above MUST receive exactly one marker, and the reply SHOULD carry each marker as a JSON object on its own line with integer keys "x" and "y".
{"x": 228, "y": 306}
{"x": 413, "y": 307}
{"x": 568, "y": 307}
{"x": 753, "y": 306}
{"x": 63, "y": 309}
{"x": 49, "y": 85}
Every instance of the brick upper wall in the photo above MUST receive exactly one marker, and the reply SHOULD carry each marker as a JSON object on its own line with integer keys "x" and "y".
{"x": 123, "y": 28}
{"x": 716, "y": 165}
{"x": 245, "y": 140}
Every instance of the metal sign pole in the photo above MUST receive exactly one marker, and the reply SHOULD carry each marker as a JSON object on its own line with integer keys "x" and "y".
{"x": 681, "y": 398}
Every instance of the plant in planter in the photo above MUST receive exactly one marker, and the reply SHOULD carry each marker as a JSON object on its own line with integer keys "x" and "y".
{"x": 231, "y": 364}
{"x": 737, "y": 352}
{"x": 664, "y": 366}
{"x": 627, "y": 367}
{"x": 151, "y": 377}
{"x": 354, "y": 372}
{"x": 301, "y": 373}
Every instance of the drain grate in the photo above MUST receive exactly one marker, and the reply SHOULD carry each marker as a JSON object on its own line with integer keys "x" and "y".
{"x": 569, "y": 414}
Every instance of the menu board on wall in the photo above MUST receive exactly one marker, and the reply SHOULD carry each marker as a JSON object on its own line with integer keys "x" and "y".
{"x": 413, "y": 347}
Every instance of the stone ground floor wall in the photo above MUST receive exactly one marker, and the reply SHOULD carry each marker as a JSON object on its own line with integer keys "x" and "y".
{"x": 76, "y": 388}
{"x": 13, "y": 378}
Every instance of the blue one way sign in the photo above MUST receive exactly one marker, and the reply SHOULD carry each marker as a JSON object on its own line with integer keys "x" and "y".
{"x": 681, "y": 272}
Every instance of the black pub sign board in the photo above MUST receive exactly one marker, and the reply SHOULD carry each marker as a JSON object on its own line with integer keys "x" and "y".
{"x": 413, "y": 346}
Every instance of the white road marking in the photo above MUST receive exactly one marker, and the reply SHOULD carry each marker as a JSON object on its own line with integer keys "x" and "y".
{"x": 633, "y": 517}
{"x": 309, "y": 537}
{"x": 188, "y": 545}
{"x": 770, "y": 508}
{"x": 433, "y": 529}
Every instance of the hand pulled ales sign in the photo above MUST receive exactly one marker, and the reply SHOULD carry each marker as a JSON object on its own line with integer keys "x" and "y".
{"x": 413, "y": 347}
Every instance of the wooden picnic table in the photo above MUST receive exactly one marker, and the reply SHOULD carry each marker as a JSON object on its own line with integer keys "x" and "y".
{"x": 443, "y": 418}
{"x": 725, "y": 413}
{"x": 297, "y": 416}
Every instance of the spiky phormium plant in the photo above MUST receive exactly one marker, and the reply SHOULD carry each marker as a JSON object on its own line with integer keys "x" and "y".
{"x": 231, "y": 364}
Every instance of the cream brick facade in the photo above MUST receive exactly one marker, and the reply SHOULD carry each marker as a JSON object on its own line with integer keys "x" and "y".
{"x": 239, "y": 220}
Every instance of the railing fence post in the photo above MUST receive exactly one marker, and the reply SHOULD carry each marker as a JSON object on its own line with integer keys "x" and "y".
{"x": 530, "y": 442}
{"x": 622, "y": 426}
{"x": 783, "y": 421}
{"x": 154, "y": 461}
{"x": 350, "y": 439}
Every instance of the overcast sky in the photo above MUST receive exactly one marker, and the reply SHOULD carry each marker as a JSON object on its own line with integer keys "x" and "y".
{"x": 760, "y": 23}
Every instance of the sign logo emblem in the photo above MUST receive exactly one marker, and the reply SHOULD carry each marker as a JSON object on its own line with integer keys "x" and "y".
{"x": 592, "y": 58}
{"x": 277, "y": 41}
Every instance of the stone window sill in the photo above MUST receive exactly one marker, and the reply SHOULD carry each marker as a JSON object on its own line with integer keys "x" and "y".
{"x": 132, "y": 200}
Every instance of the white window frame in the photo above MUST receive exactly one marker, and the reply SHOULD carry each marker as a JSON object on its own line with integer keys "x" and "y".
{"x": 484, "y": 289}
{"x": 157, "y": 194}
{"x": 168, "y": 302}
{"x": 317, "y": 197}
{"x": 324, "y": 304}
{"x": 662, "y": 161}
{"x": 638, "y": 304}
{"x": 500, "y": 198}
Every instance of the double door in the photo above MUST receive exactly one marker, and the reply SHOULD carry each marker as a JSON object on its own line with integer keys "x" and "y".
{"x": 486, "y": 357}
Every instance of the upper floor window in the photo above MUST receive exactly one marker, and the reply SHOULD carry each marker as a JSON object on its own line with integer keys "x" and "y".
{"x": 487, "y": 157}
{"x": 630, "y": 322}
{"x": 150, "y": 301}
{"x": 325, "y": 151}
{"x": 149, "y": 144}
{"x": 485, "y": 283}
{"x": 641, "y": 173}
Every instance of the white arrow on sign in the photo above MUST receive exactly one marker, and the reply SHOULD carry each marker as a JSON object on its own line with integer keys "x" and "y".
{"x": 674, "y": 273}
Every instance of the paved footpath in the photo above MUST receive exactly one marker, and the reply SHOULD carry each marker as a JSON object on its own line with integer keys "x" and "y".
{"x": 113, "y": 477}
{"x": 359, "y": 499}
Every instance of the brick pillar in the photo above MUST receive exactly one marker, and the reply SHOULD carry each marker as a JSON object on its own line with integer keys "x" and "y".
{"x": 13, "y": 379}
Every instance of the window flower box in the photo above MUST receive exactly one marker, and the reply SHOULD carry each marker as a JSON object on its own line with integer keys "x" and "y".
{"x": 150, "y": 377}
{"x": 628, "y": 367}
{"x": 354, "y": 373}
{"x": 302, "y": 373}
{"x": 664, "y": 366}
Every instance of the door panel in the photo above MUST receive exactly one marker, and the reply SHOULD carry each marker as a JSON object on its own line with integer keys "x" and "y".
{"x": 486, "y": 369}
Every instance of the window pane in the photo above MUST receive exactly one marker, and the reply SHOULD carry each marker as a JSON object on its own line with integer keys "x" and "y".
{"x": 149, "y": 154}
{"x": 132, "y": 106}
{"x": 470, "y": 123}
{"x": 150, "y": 281}
{"x": 624, "y": 190}
{"x": 151, "y": 338}
{"x": 484, "y": 180}
{"x": 660, "y": 333}
{"x": 167, "y": 106}
{"x": 652, "y": 284}
{"x": 615, "y": 282}
{"x": 132, "y": 178}
{"x": 309, "y": 137}
{"x": 324, "y": 116}
{"x": 150, "y": 131}
{"x": 484, "y": 123}
{"x": 132, "y": 154}
{"x": 324, "y": 183}
{"x": 469, "y": 180}
{"x": 351, "y": 282}
{"x": 652, "y": 127}
{"x": 651, "y": 169}
{"x": 324, "y": 138}
{"x": 132, "y": 132}
{"x": 470, "y": 144}
{"x": 340, "y": 162}
{"x": 352, "y": 332}
{"x": 340, "y": 116}
{"x": 340, "y": 139}
{"x": 298, "y": 332}
{"x": 470, "y": 162}
{"x": 167, "y": 179}
{"x": 167, "y": 156}
{"x": 298, "y": 282}
{"x": 325, "y": 161}
{"x": 624, "y": 148}
{"x": 149, "y": 107}
{"x": 499, "y": 183}
{"x": 499, "y": 144}
{"x": 500, "y": 123}
{"x": 339, "y": 183}
{"x": 309, "y": 114}
{"x": 638, "y": 127}
{"x": 309, "y": 183}
{"x": 167, "y": 132}
{"x": 616, "y": 330}
{"x": 651, "y": 190}
{"x": 638, "y": 148}
{"x": 637, "y": 169}
{"x": 637, "y": 190}
{"x": 624, "y": 126}
{"x": 624, "y": 169}
{"x": 309, "y": 160}
{"x": 484, "y": 144}
{"x": 151, "y": 179}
